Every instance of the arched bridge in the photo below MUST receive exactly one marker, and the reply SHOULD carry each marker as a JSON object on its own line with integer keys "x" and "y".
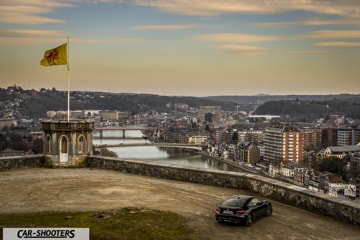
{"x": 169, "y": 145}
{"x": 101, "y": 130}
{"x": 128, "y": 127}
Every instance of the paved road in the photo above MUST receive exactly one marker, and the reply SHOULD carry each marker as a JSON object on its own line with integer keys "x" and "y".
{"x": 32, "y": 190}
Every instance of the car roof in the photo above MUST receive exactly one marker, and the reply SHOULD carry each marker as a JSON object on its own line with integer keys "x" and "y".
{"x": 242, "y": 197}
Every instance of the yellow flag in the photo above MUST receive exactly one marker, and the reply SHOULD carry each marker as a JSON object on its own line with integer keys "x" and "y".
{"x": 55, "y": 56}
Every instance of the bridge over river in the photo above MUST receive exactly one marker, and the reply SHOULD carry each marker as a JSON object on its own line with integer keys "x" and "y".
{"x": 172, "y": 145}
{"x": 122, "y": 129}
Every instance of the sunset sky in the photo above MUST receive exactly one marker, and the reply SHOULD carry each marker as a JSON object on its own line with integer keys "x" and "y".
{"x": 184, "y": 47}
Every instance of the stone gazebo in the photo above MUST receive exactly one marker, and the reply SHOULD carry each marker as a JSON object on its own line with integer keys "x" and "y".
{"x": 67, "y": 143}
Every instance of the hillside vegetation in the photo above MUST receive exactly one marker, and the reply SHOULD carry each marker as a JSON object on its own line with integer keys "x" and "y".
{"x": 309, "y": 110}
{"x": 34, "y": 104}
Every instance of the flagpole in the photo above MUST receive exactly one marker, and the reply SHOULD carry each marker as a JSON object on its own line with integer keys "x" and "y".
{"x": 68, "y": 77}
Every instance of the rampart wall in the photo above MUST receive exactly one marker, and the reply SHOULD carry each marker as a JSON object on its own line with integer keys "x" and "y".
{"x": 339, "y": 209}
{"x": 23, "y": 161}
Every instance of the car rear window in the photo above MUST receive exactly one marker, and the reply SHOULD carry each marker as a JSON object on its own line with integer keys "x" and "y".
{"x": 235, "y": 202}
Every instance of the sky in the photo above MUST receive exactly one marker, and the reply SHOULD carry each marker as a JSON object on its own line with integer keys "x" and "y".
{"x": 184, "y": 47}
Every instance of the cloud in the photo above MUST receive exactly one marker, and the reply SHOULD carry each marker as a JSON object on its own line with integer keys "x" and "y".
{"x": 235, "y": 38}
{"x": 338, "y": 44}
{"x": 335, "y": 34}
{"x": 348, "y": 8}
{"x": 36, "y": 36}
{"x": 29, "y": 33}
{"x": 205, "y": 8}
{"x": 28, "y": 12}
{"x": 166, "y": 27}
{"x": 105, "y": 40}
{"x": 29, "y": 36}
{"x": 248, "y": 50}
{"x": 242, "y": 50}
{"x": 308, "y": 52}
{"x": 310, "y": 22}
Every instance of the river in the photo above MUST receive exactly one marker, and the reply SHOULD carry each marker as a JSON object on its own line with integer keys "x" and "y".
{"x": 173, "y": 156}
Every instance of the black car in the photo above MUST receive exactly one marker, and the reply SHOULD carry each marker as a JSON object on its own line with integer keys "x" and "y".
{"x": 242, "y": 209}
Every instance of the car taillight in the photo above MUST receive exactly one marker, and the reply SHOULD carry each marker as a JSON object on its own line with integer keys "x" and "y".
{"x": 242, "y": 211}
{"x": 217, "y": 209}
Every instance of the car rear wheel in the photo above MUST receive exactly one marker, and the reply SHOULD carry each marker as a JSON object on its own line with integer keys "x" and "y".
{"x": 268, "y": 211}
{"x": 249, "y": 220}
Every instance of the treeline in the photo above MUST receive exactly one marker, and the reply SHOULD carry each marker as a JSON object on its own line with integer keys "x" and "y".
{"x": 310, "y": 110}
{"x": 35, "y": 104}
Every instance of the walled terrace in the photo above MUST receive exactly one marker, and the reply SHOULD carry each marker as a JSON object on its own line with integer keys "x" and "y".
{"x": 339, "y": 209}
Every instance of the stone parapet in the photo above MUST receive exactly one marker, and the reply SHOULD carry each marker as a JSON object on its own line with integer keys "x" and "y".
{"x": 336, "y": 208}
{"x": 22, "y": 162}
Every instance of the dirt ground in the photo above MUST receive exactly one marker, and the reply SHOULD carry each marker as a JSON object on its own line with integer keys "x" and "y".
{"x": 37, "y": 190}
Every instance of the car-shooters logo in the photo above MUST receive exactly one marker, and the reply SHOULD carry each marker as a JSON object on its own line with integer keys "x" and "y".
{"x": 46, "y": 233}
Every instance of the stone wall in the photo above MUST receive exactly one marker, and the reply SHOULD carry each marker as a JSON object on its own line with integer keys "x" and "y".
{"x": 23, "y": 162}
{"x": 339, "y": 209}
{"x": 336, "y": 208}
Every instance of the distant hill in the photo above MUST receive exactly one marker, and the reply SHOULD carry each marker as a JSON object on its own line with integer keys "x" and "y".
{"x": 35, "y": 104}
{"x": 262, "y": 98}
{"x": 310, "y": 110}
{"x": 299, "y": 107}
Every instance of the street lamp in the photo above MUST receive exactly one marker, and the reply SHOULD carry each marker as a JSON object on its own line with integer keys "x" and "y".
{"x": 237, "y": 108}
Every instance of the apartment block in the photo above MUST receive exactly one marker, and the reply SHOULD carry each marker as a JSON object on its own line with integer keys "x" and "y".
{"x": 348, "y": 136}
{"x": 114, "y": 115}
{"x": 355, "y": 164}
{"x": 293, "y": 146}
{"x": 312, "y": 136}
{"x": 250, "y": 136}
{"x": 209, "y": 113}
{"x": 283, "y": 143}
{"x": 249, "y": 153}
{"x": 273, "y": 142}
{"x": 329, "y": 137}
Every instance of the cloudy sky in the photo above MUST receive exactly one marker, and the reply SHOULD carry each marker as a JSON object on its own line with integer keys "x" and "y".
{"x": 184, "y": 47}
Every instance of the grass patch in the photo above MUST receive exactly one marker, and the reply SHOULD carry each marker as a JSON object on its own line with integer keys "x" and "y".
{"x": 125, "y": 224}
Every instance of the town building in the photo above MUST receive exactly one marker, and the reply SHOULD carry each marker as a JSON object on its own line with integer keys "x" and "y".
{"x": 8, "y": 122}
{"x": 198, "y": 139}
{"x": 249, "y": 153}
{"x": 226, "y": 136}
{"x": 250, "y": 136}
{"x": 319, "y": 182}
{"x": 273, "y": 142}
{"x": 312, "y": 136}
{"x": 328, "y": 137}
{"x": 232, "y": 151}
{"x": 348, "y": 136}
{"x": 283, "y": 142}
{"x": 209, "y": 114}
{"x": 302, "y": 176}
{"x": 342, "y": 190}
{"x": 357, "y": 184}
{"x": 354, "y": 169}
{"x": 340, "y": 151}
{"x": 114, "y": 115}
